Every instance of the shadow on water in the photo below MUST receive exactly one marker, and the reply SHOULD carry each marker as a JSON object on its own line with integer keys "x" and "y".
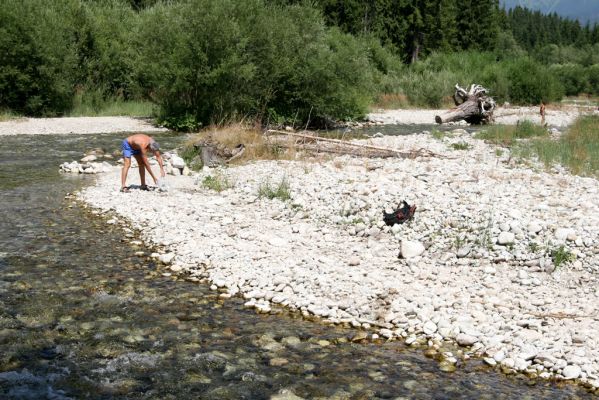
{"x": 82, "y": 316}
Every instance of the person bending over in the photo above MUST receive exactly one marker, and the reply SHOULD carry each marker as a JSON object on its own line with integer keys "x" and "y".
{"x": 138, "y": 146}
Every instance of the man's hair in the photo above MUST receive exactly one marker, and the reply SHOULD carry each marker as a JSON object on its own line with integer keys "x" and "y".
{"x": 154, "y": 146}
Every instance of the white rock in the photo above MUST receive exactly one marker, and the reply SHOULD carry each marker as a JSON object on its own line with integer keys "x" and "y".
{"x": 277, "y": 242}
{"x": 506, "y": 238}
{"x": 353, "y": 261}
{"x": 411, "y": 249}
{"x": 166, "y": 258}
{"x": 535, "y": 227}
{"x": 465, "y": 340}
{"x": 89, "y": 158}
{"x": 571, "y": 372}
{"x": 177, "y": 162}
{"x": 429, "y": 327}
{"x": 563, "y": 233}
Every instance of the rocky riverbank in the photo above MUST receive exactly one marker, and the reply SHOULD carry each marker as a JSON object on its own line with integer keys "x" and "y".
{"x": 500, "y": 258}
{"x": 79, "y": 125}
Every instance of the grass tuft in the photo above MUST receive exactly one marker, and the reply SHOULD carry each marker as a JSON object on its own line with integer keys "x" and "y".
{"x": 561, "y": 256}
{"x": 281, "y": 190}
{"x": 216, "y": 182}
{"x": 461, "y": 146}
{"x": 7, "y": 115}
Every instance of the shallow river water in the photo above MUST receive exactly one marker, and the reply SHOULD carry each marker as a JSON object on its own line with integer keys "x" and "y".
{"x": 83, "y": 317}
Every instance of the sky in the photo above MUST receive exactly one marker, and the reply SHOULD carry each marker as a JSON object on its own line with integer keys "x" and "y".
{"x": 583, "y": 10}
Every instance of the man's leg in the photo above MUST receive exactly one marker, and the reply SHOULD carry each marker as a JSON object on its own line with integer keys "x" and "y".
{"x": 142, "y": 169}
{"x": 125, "y": 171}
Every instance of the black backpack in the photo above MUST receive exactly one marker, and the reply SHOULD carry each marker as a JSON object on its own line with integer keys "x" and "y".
{"x": 403, "y": 213}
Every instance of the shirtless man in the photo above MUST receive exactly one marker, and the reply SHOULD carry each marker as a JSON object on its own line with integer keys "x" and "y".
{"x": 138, "y": 145}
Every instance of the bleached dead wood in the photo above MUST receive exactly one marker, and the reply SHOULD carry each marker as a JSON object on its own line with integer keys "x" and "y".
{"x": 474, "y": 106}
{"x": 314, "y": 143}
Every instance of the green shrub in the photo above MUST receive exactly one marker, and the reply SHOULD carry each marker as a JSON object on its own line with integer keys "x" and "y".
{"x": 210, "y": 62}
{"x": 531, "y": 83}
{"x": 573, "y": 77}
{"x": 593, "y": 79}
{"x": 38, "y": 57}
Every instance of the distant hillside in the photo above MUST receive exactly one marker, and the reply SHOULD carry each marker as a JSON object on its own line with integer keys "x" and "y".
{"x": 582, "y": 10}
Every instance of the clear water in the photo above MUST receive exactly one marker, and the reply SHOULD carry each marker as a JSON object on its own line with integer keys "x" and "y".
{"x": 81, "y": 316}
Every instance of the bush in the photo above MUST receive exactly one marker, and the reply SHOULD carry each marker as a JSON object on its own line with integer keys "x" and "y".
{"x": 217, "y": 61}
{"x": 531, "y": 83}
{"x": 38, "y": 57}
{"x": 593, "y": 79}
{"x": 573, "y": 77}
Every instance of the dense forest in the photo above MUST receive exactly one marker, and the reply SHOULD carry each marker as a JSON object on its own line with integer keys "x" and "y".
{"x": 275, "y": 61}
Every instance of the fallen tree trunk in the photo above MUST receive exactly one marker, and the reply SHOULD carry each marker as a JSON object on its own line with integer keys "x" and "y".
{"x": 473, "y": 106}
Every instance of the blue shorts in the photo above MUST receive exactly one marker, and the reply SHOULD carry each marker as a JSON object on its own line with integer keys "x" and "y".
{"x": 128, "y": 151}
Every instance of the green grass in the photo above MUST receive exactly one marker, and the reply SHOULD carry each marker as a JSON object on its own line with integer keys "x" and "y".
{"x": 7, "y": 115}
{"x": 437, "y": 134}
{"x": 281, "y": 190}
{"x": 577, "y": 149}
{"x": 216, "y": 182}
{"x": 507, "y": 135}
{"x": 561, "y": 256}
{"x": 93, "y": 104}
{"x": 461, "y": 146}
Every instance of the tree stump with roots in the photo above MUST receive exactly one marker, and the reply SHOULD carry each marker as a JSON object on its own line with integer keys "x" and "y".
{"x": 474, "y": 106}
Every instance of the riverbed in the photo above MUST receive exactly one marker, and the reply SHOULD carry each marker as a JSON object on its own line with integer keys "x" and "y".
{"x": 85, "y": 313}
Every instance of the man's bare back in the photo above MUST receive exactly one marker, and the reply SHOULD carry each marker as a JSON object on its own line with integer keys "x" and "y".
{"x": 140, "y": 142}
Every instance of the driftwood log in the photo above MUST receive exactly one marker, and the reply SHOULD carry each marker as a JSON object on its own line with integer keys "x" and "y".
{"x": 307, "y": 141}
{"x": 474, "y": 106}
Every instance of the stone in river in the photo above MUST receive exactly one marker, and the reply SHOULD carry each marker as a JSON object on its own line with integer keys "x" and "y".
{"x": 166, "y": 258}
{"x": 285, "y": 394}
{"x": 278, "y": 362}
{"x": 89, "y": 158}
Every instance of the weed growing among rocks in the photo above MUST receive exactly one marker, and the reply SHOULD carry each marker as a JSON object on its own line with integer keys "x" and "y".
{"x": 461, "y": 146}
{"x": 216, "y": 182}
{"x": 561, "y": 256}
{"x": 281, "y": 190}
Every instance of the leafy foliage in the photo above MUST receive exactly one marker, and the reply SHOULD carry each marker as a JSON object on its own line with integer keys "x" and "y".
{"x": 281, "y": 61}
